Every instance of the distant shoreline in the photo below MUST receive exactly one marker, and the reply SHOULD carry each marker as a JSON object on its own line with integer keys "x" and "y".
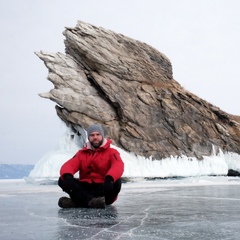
{"x": 15, "y": 171}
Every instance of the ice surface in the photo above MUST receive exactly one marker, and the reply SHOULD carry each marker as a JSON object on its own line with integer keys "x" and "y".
{"x": 189, "y": 208}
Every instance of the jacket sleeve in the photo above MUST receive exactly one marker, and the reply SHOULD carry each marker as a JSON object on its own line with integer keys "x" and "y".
{"x": 71, "y": 166}
{"x": 117, "y": 166}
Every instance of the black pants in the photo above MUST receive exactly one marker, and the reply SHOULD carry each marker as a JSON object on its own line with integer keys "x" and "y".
{"x": 86, "y": 191}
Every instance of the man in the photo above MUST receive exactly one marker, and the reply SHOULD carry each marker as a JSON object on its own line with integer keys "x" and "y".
{"x": 100, "y": 169}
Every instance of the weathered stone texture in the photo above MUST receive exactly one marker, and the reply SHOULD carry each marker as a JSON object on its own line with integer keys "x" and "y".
{"x": 127, "y": 86}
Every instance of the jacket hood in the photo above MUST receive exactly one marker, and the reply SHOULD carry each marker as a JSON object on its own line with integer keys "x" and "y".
{"x": 106, "y": 144}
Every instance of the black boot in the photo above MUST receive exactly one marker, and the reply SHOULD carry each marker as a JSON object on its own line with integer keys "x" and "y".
{"x": 65, "y": 202}
{"x": 98, "y": 202}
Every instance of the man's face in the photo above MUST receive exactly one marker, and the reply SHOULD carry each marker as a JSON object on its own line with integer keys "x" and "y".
{"x": 96, "y": 139}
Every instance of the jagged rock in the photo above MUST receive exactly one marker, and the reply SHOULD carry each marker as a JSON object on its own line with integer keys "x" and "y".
{"x": 128, "y": 86}
{"x": 233, "y": 173}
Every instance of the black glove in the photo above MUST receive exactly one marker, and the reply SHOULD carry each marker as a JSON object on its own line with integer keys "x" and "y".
{"x": 108, "y": 184}
{"x": 69, "y": 183}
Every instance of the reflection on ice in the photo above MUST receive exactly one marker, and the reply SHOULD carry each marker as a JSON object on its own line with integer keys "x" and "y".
{"x": 81, "y": 216}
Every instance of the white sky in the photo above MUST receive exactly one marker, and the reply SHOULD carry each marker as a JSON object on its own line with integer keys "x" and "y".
{"x": 201, "y": 39}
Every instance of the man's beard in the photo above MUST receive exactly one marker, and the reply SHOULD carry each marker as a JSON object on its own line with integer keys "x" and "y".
{"x": 96, "y": 145}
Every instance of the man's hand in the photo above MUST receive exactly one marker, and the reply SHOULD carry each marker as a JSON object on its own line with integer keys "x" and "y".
{"x": 69, "y": 183}
{"x": 108, "y": 184}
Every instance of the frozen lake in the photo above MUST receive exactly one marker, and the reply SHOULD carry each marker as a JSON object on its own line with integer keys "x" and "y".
{"x": 190, "y": 208}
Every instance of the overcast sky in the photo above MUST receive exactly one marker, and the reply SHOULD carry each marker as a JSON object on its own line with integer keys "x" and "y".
{"x": 201, "y": 38}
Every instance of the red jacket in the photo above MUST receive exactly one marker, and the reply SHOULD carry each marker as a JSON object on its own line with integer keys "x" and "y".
{"x": 94, "y": 166}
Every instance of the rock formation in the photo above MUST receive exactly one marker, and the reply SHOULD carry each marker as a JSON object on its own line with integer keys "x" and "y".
{"x": 128, "y": 86}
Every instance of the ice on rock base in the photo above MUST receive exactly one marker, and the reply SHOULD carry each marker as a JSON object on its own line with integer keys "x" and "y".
{"x": 137, "y": 166}
{"x": 49, "y": 165}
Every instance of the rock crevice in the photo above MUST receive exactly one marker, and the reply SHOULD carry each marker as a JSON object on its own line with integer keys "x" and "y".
{"x": 128, "y": 86}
